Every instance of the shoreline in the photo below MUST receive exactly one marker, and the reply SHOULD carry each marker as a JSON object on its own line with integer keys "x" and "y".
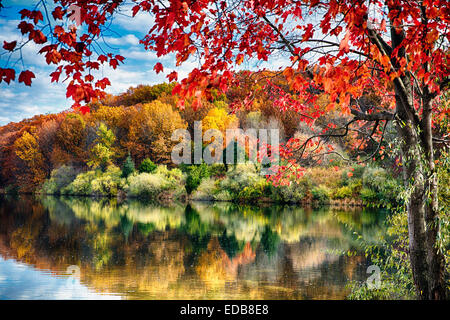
{"x": 166, "y": 198}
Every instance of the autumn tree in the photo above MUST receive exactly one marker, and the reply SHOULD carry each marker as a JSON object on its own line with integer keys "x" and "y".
{"x": 27, "y": 149}
{"x": 103, "y": 152}
{"x": 46, "y": 138}
{"x": 16, "y": 171}
{"x": 395, "y": 49}
{"x": 188, "y": 113}
{"x": 150, "y": 131}
{"x": 219, "y": 119}
{"x": 71, "y": 141}
{"x": 142, "y": 94}
{"x": 8, "y": 135}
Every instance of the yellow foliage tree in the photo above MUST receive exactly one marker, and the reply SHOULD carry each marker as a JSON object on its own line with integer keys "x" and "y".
{"x": 150, "y": 131}
{"x": 27, "y": 149}
{"x": 219, "y": 119}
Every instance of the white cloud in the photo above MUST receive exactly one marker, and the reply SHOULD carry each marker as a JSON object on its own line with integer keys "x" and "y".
{"x": 124, "y": 77}
{"x": 18, "y": 101}
{"x": 129, "y": 39}
{"x": 141, "y": 23}
{"x": 141, "y": 55}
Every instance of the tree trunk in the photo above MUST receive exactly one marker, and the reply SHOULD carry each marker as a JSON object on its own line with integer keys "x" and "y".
{"x": 416, "y": 212}
{"x": 435, "y": 258}
{"x": 427, "y": 262}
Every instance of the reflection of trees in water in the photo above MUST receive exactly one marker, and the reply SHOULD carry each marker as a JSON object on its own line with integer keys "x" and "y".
{"x": 217, "y": 250}
{"x": 269, "y": 241}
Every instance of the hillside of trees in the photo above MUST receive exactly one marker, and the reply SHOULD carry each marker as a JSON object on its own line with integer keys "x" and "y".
{"x": 123, "y": 147}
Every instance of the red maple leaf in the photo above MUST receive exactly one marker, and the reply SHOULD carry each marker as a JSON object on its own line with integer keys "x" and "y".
{"x": 7, "y": 75}
{"x": 102, "y": 58}
{"x": 9, "y": 45}
{"x": 55, "y": 76}
{"x": 58, "y": 13}
{"x": 25, "y": 27}
{"x": 26, "y": 76}
{"x": 113, "y": 63}
{"x": 103, "y": 83}
{"x": 135, "y": 9}
{"x": 158, "y": 67}
{"x": 173, "y": 76}
{"x": 344, "y": 43}
{"x": 25, "y": 13}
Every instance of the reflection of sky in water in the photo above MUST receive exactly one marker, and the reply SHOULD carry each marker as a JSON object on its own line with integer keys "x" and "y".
{"x": 135, "y": 250}
{"x": 21, "y": 282}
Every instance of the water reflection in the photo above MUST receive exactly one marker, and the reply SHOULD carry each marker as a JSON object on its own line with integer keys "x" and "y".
{"x": 135, "y": 250}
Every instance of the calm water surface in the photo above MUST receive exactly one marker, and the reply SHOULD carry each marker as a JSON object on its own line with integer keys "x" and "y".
{"x": 80, "y": 248}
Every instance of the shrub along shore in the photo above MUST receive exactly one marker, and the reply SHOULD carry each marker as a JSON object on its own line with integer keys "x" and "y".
{"x": 354, "y": 186}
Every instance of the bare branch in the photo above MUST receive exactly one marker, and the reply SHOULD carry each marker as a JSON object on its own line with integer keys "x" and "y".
{"x": 382, "y": 115}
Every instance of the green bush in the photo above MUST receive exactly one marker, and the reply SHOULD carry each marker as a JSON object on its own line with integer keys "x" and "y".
{"x": 59, "y": 179}
{"x": 243, "y": 182}
{"x": 146, "y": 185}
{"x": 217, "y": 170}
{"x": 173, "y": 177}
{"x": 343, "y": 192}
{"x": 253, "y": 192}
{"x": 357, "y": 172}
{"x": 207, "y": 190}
{"x": 368, "y": 195}
{"x": 321, "y": 194}
{"x": 96, "y": 183}
{"x": 81, "y": 186}
{"x": 223, "y": 195}
{"x": 383, "y": 185}
{"x": 356, "y": 186}
{"x": 195, "y": 176}
{"x": 150, "y": 185}
{"x": 147, "y": 166}
{"x": 294, "y": 192}
{"x": 108, "y": 183}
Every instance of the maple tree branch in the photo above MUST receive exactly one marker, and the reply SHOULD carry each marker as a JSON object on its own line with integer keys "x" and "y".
{"x": 377, "y": 40}
{"x": 387, "y": 50}
{"x": 328, "y": 135}
{"x": 382, "y": 115}
{"x": 284, "y": 40}
{"x": 337, "y": 45}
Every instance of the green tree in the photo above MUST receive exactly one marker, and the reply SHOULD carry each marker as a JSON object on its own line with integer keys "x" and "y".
{"x": 147, "y": 166}
{"x": 128, "y": 167}
{"x": 102, "y": 153}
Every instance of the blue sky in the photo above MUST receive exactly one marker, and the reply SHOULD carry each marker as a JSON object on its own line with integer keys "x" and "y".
{"x": 18, "y": 101}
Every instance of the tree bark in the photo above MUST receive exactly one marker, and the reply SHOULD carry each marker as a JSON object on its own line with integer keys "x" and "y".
{"x": 435, "y": 258}
{"x": 415, "y": 210}
{"x": 427, "y": 262}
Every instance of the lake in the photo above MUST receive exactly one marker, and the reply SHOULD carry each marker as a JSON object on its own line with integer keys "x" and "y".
{"x": 82, "y": 248}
